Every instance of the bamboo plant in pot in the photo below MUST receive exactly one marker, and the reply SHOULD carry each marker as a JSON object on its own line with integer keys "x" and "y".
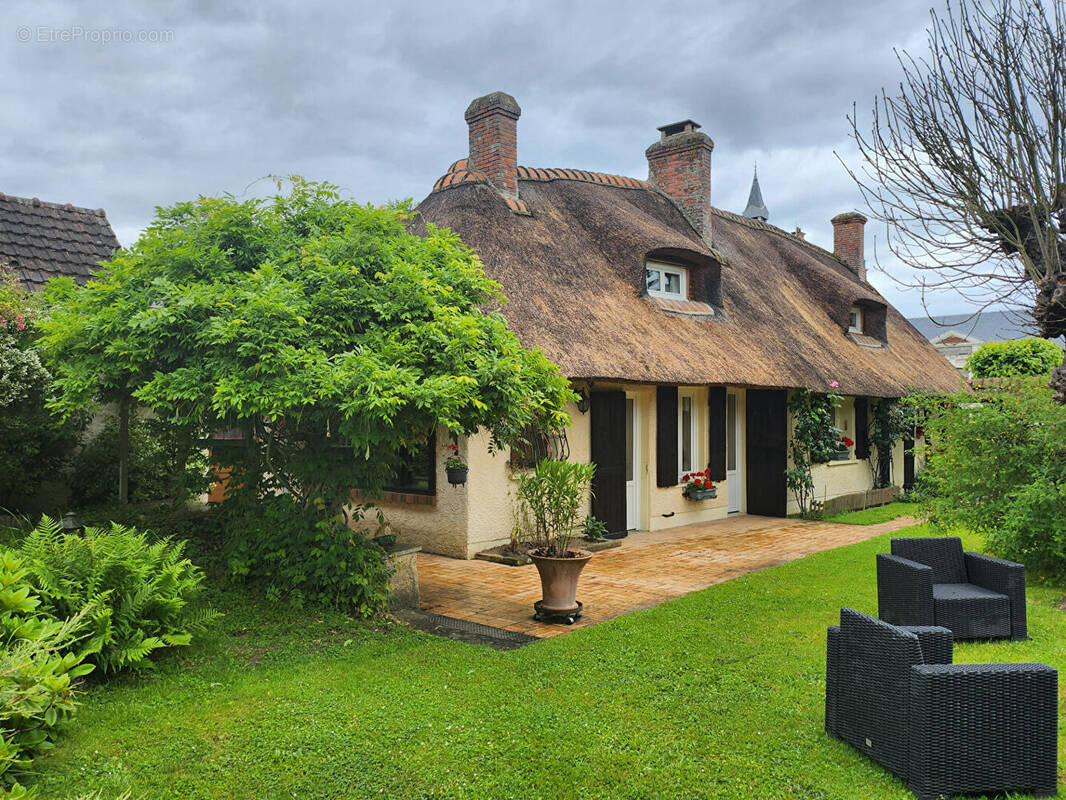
{"x": 553, "y": 498}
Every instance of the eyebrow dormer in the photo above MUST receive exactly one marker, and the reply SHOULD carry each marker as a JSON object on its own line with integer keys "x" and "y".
{"x": 866, "y": 322}
{"x": 683, "y": 282}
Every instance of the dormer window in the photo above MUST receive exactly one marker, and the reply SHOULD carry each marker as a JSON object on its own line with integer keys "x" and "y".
{"x": 855, "y": 320}
{"x": 666, "y": 280}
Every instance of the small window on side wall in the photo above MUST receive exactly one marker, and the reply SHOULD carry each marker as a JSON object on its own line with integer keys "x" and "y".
{"x": 418, "y": 473}
{"x": 855, "y": 320}
{"x": 666, "y": 280}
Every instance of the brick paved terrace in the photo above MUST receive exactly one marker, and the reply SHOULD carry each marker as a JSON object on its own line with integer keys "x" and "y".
{"x": 648, "y": 569}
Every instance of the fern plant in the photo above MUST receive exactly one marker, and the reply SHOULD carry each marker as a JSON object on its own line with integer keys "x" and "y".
{"x": 139, "y": 593}
{"x": 37, "y": 673}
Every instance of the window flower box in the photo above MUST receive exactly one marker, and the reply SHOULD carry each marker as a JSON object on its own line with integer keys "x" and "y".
{"x": 701, "y": 494}
{"x": 698, "y": 486}
{"x": 844, "y": 443}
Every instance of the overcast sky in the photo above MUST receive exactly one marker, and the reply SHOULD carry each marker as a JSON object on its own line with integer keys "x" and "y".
{"x": 127, "y": 106}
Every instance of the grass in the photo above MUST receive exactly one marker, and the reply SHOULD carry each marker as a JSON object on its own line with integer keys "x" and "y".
{"x": 873, "y": 516}
{"x": 716, "y": 694}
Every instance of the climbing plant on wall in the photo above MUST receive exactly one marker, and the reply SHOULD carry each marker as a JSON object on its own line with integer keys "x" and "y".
{"x": 887, "y": 426}
{"x": 813, "y": 441}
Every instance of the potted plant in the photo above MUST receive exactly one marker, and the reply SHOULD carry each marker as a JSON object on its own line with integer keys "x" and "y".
{"x": 698, "y": 486}
{"x": 455, "y": 466}
{"x": 843, "y": 451}
{"x": 553, "y": 495}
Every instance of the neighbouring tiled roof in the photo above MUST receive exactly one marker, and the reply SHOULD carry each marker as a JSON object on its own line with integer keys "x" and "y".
{"x": 40, "y": 240}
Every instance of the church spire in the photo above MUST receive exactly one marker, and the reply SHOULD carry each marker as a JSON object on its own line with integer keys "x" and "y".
{"x": 756, "y": 207}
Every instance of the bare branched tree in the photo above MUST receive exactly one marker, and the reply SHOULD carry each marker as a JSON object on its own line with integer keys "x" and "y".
{"x": 965, "y": 164}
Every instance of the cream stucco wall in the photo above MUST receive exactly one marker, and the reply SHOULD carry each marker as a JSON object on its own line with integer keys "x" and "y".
{"x": 491, "y": 497}
{"x": 479, "y": 515}
{"x": 837, "y": 478}
{"x": 440, "y": 528}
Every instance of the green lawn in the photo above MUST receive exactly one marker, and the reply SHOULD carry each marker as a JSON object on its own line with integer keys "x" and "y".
{"x": 716, "y": 694}
{"x": 872, "y": 516}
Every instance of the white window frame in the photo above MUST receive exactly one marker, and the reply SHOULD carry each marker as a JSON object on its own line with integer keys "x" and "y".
{"x": 663, "y": 268}
{"x": 694, "y": 444}
{"x": 857, "y": 311}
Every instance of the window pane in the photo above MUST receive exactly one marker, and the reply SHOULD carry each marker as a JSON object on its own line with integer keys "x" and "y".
{"x": 730, "y": 432}
{"x": 418, "y": 472}
{"x": 672, "y": 282}
{"x": 686, "y": 434}
{"x": 653, "y": 280}
{"x": 629, "y": 440}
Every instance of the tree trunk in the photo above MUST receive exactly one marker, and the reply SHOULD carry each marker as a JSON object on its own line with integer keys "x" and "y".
{"x": 1058, "y": 383}
{"x": 124, "y": 450}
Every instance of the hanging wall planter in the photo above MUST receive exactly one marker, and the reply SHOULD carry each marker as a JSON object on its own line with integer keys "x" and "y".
{"x": 455, "y": 466}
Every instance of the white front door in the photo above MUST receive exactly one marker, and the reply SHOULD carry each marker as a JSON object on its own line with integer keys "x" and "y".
{"x": 633, "y": 463}
{"x": 734, "y": 467}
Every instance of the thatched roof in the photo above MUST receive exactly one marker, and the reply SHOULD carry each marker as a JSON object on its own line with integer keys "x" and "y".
{"x": 571, "y": 262}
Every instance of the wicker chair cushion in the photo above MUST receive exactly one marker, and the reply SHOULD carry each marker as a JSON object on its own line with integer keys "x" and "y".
{"x": 942, "y": 553}
{"x": 970, "y": 611}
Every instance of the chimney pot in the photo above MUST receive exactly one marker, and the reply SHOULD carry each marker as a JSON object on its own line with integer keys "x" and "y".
{"x": 493, "y": 123}
{"x": 848, "y": 231}
{"x": 802, "y": 234}
{"x": 680, "y": 165}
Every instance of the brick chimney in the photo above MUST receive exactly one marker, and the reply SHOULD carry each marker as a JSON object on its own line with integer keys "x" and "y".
{"x": 493, "y": 121}
{"x": 847, "y": 241}
{"x": 680, "y": 164}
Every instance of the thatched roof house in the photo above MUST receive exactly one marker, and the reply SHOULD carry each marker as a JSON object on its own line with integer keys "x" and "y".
{"x": 683, "y": 326}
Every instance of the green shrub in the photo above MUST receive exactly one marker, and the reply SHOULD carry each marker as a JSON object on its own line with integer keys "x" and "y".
{"x": 1014, "y": 359}
{"x": 34, "y": 444}
{"x": 37, "y": 671}
{"x": 302, "y": 558}
{"x": 997, "y": 466}
{"x": 161, "y": 468}
{"x": 141, "y": 592}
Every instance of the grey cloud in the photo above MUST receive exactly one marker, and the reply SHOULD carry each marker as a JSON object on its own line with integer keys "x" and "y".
{"x": 371, "y": 95}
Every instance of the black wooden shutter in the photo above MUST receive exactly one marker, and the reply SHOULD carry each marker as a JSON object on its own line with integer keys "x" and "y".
{"x": 716, "y": 431}
{"x": 862, "y": 428}
{"x": 666, "y": 436}
{"x": 908, "y": 463}
{"x": 608, "y": 446}
{"x": 767, "y": 452}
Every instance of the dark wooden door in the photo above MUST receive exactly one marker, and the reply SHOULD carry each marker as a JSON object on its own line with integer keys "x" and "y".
{"x": 767, "y": 451}
{"x": 608, "y": 443}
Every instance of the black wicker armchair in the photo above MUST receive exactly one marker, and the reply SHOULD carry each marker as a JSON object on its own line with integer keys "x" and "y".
{"x": 893, "y": 693}
{"x": 931, "y": 581}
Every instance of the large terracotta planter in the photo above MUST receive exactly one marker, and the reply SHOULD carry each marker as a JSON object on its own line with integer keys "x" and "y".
{"x": 558, "y": 586}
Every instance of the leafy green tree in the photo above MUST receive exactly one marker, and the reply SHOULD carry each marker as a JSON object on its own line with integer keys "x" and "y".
{"x": 1014, "y": 359}
{"x": 331, "y": 337}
